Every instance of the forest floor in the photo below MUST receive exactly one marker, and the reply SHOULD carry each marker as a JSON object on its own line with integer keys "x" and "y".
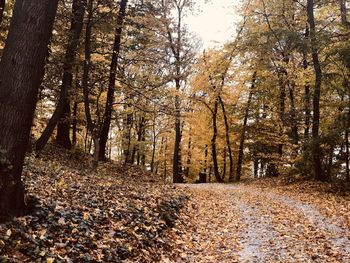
{"x": 120, "y": 213}
{"x": 114, "y": 214}
{"x": 266, "y": 221}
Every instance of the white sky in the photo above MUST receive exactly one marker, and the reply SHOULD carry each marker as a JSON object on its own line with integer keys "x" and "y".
{"x": 214, "y": 23}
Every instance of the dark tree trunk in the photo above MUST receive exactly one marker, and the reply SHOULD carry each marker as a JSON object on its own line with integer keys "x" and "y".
{"x": 75, "y": 31}
{"x": 224, "y": 164}
{"x": 282, "y": 108}
{"x": 177, "y": 166}
{"x": 307, "y": 112}
{"x": 244, "y": 128}
{"x": 143, "y": 140}
{"x": 189, "y": 157}
{"x": 154, "y": 141}
{"x": 307, "y": 98}
{"x": 227, "y": 136}
{"x": 294, "y": 122}
{"x": 2, "y": 8}
{"x": 205, "y": 159}
{"x": 165, "y": 172}
{"x": 316, "y": 148}
{"x": 63, "y": 127}
{"x": 21, "y": 70}
{"x": 75, "y": 123}
{"x": 140, "y": 133}
{"x": 92, "y": 129}
{"x": 213, "y": 143}
{"x": 128, "y": 124}
{"x": 107, "y": 117}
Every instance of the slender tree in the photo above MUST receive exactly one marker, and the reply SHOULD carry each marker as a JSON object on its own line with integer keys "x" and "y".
{"x": 21, "y": 70}
{"x": 107, "y": 117}
{"x": 316, "y": 149}
{"x": 62, "y": 111}
{"x": 227, "y": 137}
{"x": 244, "y": 130}
{"x": 2, "y": 8}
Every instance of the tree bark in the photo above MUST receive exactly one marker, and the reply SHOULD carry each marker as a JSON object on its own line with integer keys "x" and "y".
{"x": 213, "y": 143}
{"x": 227, "y": 136}
{"x": 316, "y": 148}
{"x": 107, "y": 117}
{"x": 94, "y": 131}
{"x": 189, "y": 157}
{"x": 78, "y": 10}
{"x": 2, "y": 8}
{"x": 21, "y": 70}
{"x": 244, "y": 128}
{"x": 282, "y": 106}
{"x": 293, "y": 120}
{"x": 307, "y": 99}
{"x": 154, "y": 140}
{"x": 75, "y": 123}
{"x": 177, "y": 166}
{"x": 63, "y": 126}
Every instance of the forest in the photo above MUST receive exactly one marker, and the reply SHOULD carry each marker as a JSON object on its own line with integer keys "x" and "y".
{"x": 123, "y": 139}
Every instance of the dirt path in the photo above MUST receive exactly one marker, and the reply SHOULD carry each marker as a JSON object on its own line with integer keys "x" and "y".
{"x": 239, "y": 223}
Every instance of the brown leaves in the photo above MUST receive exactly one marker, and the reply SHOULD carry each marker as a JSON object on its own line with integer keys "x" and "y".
{"x": 240, "y": 223}
{"x": 111, "y": 215}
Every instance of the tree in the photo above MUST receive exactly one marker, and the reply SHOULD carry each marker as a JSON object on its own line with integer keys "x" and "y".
{"x": 244, "y": 130}
{"x": 176, "y": 43}
{"x": 2, "y": 8}
{"x": 316, "y": 150}
{"x": 21, "y": 70}
{"x": 107, "y": 117}
{"x": 62, "y": 111}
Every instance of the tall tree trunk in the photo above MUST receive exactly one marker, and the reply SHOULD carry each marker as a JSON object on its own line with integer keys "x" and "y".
{"x": 75, "y": 31}
{"x": 227, "y": 136}
{"x": 63, "y": 126}
{"x": 93, "y": 130}
{"x": 128, "y": 124}
{"x": 177, "y": 165}
{"x": 154, "y": 140}
{"x": 107, "y": 117}
{"x": 2, "y": 8}
{"x": 244, "y": 129}
{"x": 307, "y": 99}
{"x": 165, "y": 173}
{"x": 205, "y": 159}
{"x": 224, "y": 163}
{"x": 345, "y": 23}
{"x": 316, "y": 148}
{"x": 21, "y": 70}
{"x": 294, "y": 122}
{"x": 282, "y": 106}
{"x": 213, "y": 143}
{"x": 189, "y": 157}
{"x": 75, "y": 123}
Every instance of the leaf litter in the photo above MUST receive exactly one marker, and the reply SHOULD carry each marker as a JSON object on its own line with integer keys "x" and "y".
{"x": 125, "y": 214}
{"x": 114, "y": 214}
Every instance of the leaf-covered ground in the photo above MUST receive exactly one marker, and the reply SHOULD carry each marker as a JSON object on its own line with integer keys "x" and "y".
{"x": 111, "y": 215}
{"x": 265, "y": 222}
{"x": 125, "y": 214}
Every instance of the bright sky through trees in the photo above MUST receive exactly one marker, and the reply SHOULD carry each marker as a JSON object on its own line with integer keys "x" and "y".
{"x": 214, "y": 23}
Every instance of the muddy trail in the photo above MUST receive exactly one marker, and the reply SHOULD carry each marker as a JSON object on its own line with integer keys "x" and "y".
{"x": 245, "y": 223}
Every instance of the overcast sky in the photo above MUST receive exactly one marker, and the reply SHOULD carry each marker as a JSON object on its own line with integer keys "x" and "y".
{"x": 215, "y": 21}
